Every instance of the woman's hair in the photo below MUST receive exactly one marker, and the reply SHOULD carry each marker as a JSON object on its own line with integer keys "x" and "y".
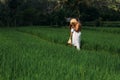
{"x": 72, "y": 25}
{"x": 73, "y": 22}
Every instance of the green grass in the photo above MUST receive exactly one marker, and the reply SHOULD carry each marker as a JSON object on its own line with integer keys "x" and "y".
{"x": 99, "y": 39}
{"x": 33, "y": 53}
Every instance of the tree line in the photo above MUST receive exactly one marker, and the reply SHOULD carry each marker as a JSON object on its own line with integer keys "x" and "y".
{"x": 55, "y": 12}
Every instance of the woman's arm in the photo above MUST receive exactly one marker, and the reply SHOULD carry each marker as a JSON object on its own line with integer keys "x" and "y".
{"x": 71, "y": 32}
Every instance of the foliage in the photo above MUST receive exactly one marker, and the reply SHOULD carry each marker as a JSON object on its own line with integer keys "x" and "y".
{"x": 54, "y": 12}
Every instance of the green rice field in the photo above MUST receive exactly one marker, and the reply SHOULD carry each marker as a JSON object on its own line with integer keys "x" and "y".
{"x": 41, "y": 53}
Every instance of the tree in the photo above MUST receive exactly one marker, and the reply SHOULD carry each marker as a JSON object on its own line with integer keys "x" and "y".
{"x": 46, "y": 12}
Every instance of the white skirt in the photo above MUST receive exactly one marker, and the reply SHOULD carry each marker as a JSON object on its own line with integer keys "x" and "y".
{"x": 76, "y": 39}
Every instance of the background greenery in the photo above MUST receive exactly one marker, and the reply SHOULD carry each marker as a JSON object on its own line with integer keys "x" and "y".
{"x": 54, "y": 12}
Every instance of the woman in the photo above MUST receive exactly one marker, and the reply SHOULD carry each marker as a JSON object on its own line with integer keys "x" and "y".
{"x": 75, "y": 33}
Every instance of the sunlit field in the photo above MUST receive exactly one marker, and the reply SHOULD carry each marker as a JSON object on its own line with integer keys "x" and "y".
{"x": 41, "y": 53}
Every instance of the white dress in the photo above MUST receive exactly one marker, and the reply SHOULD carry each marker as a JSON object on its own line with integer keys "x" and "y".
{"x": 76, "y": 38}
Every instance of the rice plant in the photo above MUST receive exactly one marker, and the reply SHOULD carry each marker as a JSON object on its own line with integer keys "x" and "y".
{"x": 41, "y": 54}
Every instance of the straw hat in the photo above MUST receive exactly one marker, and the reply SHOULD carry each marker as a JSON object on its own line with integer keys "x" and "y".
{"x": 73, "y": 21}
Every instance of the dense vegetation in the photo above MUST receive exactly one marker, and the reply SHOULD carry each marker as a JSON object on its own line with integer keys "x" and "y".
{"x": 34, "y": 53}
{"x": 54, "y": 12}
